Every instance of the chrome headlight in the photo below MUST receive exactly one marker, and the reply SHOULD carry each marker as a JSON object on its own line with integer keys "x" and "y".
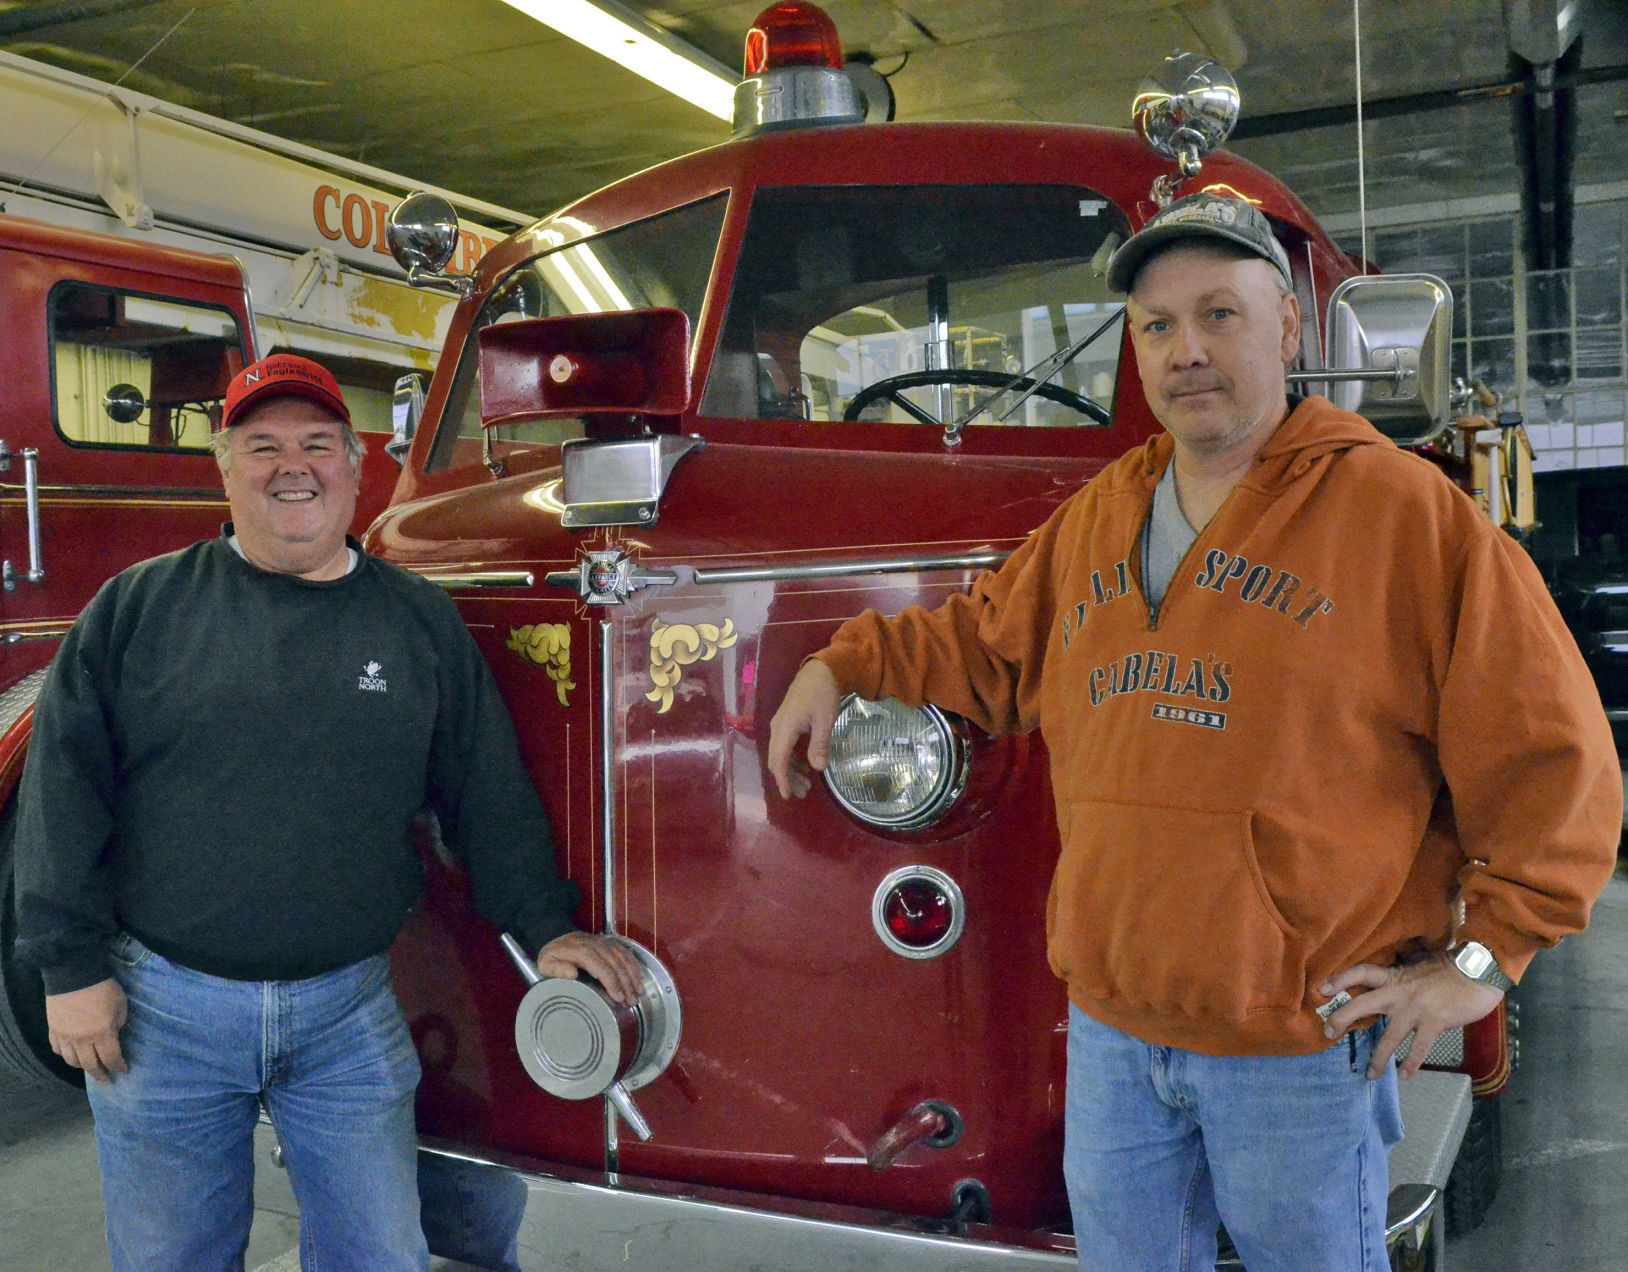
{"x": 895, "y": 766}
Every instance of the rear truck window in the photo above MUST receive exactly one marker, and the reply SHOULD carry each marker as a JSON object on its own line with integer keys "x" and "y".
{"x": 907, "y": 304}
{"x": 136, "y": 371}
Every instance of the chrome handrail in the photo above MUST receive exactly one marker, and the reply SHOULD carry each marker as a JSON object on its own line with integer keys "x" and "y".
{"x": 841, "y": 569}
{"x": 31, "y": 500}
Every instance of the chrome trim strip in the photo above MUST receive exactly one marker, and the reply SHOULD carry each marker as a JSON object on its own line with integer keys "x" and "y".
{"x": 32, "y": 634}
{"x": 607, "y": 825}
{"x": 841, "y": 569}
{"x": 1616, "y": 713}
{"x": 468, "y": 580}
{"x": 155, "y": 493}
{"x": 607, "y": 770}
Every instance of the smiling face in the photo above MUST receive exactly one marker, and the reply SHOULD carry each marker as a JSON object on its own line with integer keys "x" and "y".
{"x": 292, "y": 487}
{"x": 1213, "y": 336}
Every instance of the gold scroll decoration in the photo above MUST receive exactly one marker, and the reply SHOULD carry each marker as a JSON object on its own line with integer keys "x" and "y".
{"x": 674, "y": 647}
{"x": 549, "y": 646}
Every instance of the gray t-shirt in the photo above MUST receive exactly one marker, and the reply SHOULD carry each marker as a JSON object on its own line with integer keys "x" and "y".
{"x": 1166, "y": 536}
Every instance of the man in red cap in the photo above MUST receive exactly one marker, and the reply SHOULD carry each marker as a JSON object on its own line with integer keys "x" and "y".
{"x": 289, "y": 518}
{"x": 214, "y": 851}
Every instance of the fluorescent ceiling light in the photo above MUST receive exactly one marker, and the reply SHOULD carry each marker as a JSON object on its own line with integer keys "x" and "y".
{"x": 628, "y": 39}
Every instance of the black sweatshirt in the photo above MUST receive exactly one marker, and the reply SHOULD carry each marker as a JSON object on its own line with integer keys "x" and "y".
{"x": 226, "y": 763}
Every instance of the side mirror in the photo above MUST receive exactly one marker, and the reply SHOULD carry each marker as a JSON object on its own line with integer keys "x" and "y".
{"x": 123, "y": 403}
{"x": 406, "y": 409}
{"x": 422, "y": 232}
{"x": 1389, "y": 354}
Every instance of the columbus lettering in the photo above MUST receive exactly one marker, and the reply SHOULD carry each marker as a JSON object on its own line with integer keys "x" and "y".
{"x": 1202, "y": 679}
{"x": 1105, "y": 587}
{"x": 1275, "y": 589}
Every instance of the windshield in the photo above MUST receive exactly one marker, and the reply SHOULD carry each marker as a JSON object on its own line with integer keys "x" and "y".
{"x": 904, "y": 304}
{"x": 661, "y": 262}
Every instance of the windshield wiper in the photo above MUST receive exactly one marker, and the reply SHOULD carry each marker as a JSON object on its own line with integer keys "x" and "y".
{"x": 1036, "y": 375}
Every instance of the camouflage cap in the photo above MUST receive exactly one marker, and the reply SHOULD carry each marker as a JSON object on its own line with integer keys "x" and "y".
{"x": 1199, "y": 216}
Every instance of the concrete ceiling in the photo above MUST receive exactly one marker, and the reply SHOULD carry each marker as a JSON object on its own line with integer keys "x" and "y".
{"x": 474, "y": 96}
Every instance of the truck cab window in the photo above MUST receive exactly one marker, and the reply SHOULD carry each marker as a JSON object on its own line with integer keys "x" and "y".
{"x": 863, "y": 302}
{"x": 138, "y": 371}
{"x": 662, "y": 262}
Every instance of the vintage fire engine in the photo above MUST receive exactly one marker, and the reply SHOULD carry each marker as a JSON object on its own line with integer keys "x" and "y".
{"x": 681, "y": 431}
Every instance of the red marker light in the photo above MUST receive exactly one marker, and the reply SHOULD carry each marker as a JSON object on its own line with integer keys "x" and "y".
{"x": 918, "y": 912}
{"x": 792, "y": 33}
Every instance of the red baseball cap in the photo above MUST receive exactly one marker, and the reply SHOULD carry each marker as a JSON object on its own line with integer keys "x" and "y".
{"x": 281, "y": 375}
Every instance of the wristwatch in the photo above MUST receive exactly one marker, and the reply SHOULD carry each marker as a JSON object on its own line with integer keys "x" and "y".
{"x": 1475, "y": 960}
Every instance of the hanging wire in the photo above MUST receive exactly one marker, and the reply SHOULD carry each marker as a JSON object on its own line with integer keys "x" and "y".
{"x": 23, "y": 181}
{"x": 1362, "y": 172}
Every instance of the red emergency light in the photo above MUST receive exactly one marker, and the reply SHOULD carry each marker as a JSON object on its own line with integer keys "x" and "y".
{"x": 794, "y": 73}
{"x": 792, "y": 33}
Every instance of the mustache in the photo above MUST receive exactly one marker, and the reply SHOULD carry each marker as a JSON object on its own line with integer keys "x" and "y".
{"x": 1178, "y": 385}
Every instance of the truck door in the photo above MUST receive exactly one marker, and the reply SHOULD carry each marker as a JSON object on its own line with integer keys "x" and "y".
{"x": 866, "y": 964}
{"x": 113, "y": 380}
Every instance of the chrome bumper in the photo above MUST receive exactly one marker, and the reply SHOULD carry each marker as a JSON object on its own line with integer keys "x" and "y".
{"x": 478, "y": 1209}
{"x": 639, "y": 1225}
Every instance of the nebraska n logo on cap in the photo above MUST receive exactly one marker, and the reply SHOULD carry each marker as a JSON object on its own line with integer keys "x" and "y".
{"x": 251, "y": 377}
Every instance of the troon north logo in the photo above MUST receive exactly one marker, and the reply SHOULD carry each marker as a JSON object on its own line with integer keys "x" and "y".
{"x": 370, "y": 679}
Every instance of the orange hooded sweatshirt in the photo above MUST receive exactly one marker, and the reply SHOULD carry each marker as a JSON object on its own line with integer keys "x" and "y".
{"x": 1356, "y": 702}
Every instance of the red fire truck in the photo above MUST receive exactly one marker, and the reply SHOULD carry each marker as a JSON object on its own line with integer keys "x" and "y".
{"x": 683, "y": 429}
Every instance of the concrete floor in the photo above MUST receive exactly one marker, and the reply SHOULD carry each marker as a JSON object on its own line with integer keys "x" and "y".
{"x": 51, "y": 1196}
{"x": 1563, "y": 1203}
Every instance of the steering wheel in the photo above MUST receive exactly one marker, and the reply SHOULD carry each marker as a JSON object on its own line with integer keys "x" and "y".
{"x": 891, "y": 386}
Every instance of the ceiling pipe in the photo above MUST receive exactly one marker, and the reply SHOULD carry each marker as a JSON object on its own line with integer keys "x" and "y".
{"x": 37, "y": 17}
{"x": 1292, "y": 121}
{"x": 1545, "y": 47}
{"x": 1545, "y": 130}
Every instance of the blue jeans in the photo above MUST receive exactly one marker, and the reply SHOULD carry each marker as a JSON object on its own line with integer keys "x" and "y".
{"x": 331, "y": 1061}
{"x": 1290, "y": 1152}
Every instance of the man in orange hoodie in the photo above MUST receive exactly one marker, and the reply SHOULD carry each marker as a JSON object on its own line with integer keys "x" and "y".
{"x": 1300, "y": 698}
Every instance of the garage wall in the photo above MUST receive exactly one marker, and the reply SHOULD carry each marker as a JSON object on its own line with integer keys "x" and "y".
{"x": 1550, "y": 343}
